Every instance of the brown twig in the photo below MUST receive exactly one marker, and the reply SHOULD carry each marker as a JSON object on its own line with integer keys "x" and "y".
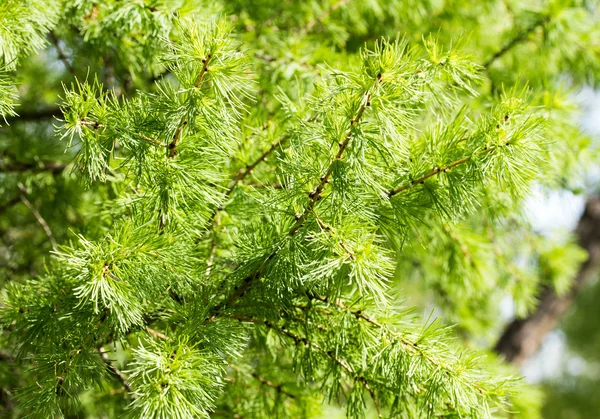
{"x": 213, "y": 244}
{"x": 38, "y": 217}
{"x": 156, "y": 334}
{"x": 50, "y": 166}
{"x": 150, "y": 140}
{"x": 516, "y": 40}
{"x": 61, "y": 55}
{"x": 249, "y": 168}
{"x": 245, "y": 171}
{"x": 437, "y": 170}
{"x": 359, "y": 314}
{"x": 422, "y": 179}
{"x": 239, "y": 176}
{"x": 277, "y": 387}
{"x": 299, "y": 340}
{"x": 115, "y": 371}
{"x": 176, "y": 138}
{"x": 343, "y": 145}
{"x": 97, "y": 125}
{"x": 342, "y": 243}
{"x": 311, "y": 24}
{"x": 314, "y": 196}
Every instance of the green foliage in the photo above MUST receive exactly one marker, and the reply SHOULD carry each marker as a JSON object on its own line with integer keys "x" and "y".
{"x": 258, "y": 200}
{"x": 7, "y": 95}
{"x": 23, "y": 28}
{"x": 174, "y": 381}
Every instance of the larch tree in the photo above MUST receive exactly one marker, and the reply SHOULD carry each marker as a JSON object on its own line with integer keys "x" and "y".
{"x": 256, "y": 209}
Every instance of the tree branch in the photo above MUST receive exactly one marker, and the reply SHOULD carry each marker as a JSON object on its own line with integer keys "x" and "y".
{"x": 277, "y": 387}
{"x": 173, "y": 145}
{"x": 433, "y": 172}
{"x": 516, "y": 40}
{"x": 97, "y": 125}
{"x": 412, "y": 347}
{"x": 38, "y": 217}
{"x": 522, "y": 337}
{"x": 248, "y": 169}
{"x": 115, "y": 371}
{"x": 35, "y": 115}
{"x": 240, "y": 175}
{"x": 343, "y": 145}
{"x": 311, "y": 24}
{"x": 157, "y": 334}
{"x": 61, "y": 55}
{"x": 299, "y": 340}
{"x": 314, "y": 196}
{"x": 50, "y": 166}
{"x": 437, "y": 170}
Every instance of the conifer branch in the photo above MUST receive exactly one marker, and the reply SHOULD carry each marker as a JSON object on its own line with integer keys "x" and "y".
{"x": 172, "y": 148}
{"x": 314, "y": 196}
{"x": 437, "y": 170}
{"x": 277, "y": 387}
{"x": 413, "y": 347}
{"x": 95, "y": 125}
{"x": 330, "y": 354}
{"x": 342, "y": 243}
{"x": 240, "y": 176}
{"x": 249, "y": 168}
{"x": 359, "y": 314}
{"x": 387, "y": 358}
{"x": 245, "y": 171}
{"x": 213, "y": 249}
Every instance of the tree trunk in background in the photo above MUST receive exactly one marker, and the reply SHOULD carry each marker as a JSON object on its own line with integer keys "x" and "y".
{"x": 522, "y": 337}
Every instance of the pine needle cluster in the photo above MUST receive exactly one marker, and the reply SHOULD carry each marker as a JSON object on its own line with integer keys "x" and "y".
{"x": 252, "y": 208}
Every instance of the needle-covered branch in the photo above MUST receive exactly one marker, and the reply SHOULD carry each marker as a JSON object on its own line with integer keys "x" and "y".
{"x": 265, "y": 298}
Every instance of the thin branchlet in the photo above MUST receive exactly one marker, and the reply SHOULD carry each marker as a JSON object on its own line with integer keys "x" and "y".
{"x": 172, "y": 147}
{"x": 313, "y": 196}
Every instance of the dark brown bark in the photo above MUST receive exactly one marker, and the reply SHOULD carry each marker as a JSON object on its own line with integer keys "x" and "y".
{"x": 34, "y": 115}
{"x": 49, "y": 166}
{"x": 522, "y": 337}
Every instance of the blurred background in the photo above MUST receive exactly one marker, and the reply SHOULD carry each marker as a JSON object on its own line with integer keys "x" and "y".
{"x": 567, "y": 365}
